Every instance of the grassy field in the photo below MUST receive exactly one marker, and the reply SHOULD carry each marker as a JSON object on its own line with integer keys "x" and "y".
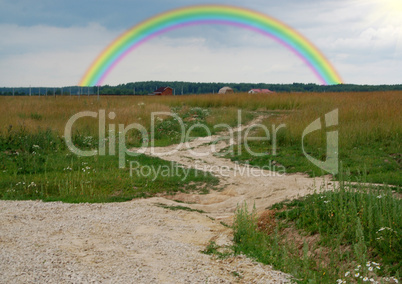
{"x": 38, "y": 166}
{"x": 323, "y": 238}
{"x": 369, "y": 129}
{"x": 36, "y": 163}
{"x": 33, "y": 150}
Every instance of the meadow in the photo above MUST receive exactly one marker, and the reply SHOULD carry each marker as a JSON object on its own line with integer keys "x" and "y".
{"x": 369, "y": 125}
{"x": 335, "y": 235}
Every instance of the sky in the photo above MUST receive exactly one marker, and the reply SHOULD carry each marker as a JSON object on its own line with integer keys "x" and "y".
{"x": 51, "y": 43}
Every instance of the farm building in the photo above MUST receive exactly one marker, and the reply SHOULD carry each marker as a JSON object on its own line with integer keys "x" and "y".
{"x": 163, "y": 91}
{"x": 226, "y": 90}
{"x": 260, "y": 91}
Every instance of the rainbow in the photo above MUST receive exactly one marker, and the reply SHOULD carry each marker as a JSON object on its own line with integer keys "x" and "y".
{"x": 210, "y": 14}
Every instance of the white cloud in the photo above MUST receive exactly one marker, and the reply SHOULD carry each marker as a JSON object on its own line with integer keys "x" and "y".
{"x": 362, "y": 45}
{"x": 379, "y": 39}
{"x": 49, "y": 37}
{"x": 49, "y": 56}
{"x": 383, "y": 72}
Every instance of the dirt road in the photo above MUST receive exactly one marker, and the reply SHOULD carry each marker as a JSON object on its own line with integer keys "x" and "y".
{"x": 238, "y": 183}
{"x": 137, "y": 241}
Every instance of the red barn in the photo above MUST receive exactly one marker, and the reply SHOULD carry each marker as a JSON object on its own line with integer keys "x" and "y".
{"x": 164, "y": 91}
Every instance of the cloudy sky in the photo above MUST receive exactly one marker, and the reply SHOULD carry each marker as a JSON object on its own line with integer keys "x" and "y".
{"x": 53, "y": 42}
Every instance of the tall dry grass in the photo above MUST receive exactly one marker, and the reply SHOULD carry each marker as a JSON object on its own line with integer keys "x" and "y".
{"x": 364, "y": 118}
{"x": 53, "y": 113}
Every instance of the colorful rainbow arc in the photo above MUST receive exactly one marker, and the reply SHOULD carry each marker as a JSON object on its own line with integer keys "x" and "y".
{"x": 210, "y": 14}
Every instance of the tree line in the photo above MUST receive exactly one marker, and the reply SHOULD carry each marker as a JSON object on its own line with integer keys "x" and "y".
{"x": 185, "y": 88}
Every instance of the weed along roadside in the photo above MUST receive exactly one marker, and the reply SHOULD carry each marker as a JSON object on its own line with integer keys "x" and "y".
{"x": 318, "y": 224}
{"x": 327, "y": 237}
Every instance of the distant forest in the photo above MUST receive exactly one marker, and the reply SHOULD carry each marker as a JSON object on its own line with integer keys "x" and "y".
{"x": 185, "y": 88}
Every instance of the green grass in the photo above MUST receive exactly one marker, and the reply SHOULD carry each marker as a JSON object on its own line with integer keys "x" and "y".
{"x": 221, "y": 252}
{"x": 369, "y": 132}
{"x": 325, "y": 236}
{"x": 376, "y": 153}
{"x": 380, "y": 165}
{"x": 38, "y": 166}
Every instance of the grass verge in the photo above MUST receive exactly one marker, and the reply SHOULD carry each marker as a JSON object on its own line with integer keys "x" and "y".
{"x": 38, "y": 166}
{"x": 350, "y": 234}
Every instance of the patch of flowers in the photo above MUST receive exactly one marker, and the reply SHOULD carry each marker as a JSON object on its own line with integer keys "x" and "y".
{"x": 366, "y": 274}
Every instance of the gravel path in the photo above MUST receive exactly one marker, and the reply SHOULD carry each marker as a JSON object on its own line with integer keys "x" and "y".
{"x": 131, "y": 242}
{"x": 238, "y": 184}
{"x": 139, "y": 242}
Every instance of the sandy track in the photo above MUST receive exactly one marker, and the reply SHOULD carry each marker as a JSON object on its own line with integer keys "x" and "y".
{"x": 131, "y": 242}
{"x": 239, "y": 184}
{"x": 137, "y": 241}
